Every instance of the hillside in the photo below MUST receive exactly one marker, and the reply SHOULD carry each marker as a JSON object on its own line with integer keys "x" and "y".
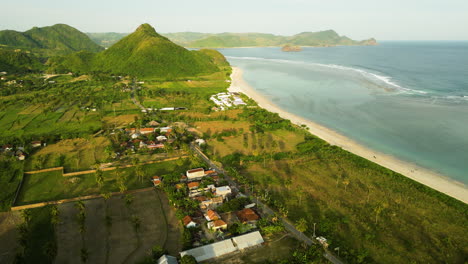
{"x": 12, "y": 61}
{"x": 143, "y": 53}
{"x": 56, "y": 39}
{"x": 229, "y": 40}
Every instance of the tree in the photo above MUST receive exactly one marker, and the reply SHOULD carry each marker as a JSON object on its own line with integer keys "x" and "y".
{"x": 84, "y": 254}
{"x": 54, "y": 213}
{"x": 188, "y": 259}
{"x": 157, "y": 252}
{"x": 99, "y": 177}
{"x": 301, "y": 225}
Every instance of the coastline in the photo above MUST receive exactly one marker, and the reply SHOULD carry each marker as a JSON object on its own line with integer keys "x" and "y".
{"x": 422, "y": 175}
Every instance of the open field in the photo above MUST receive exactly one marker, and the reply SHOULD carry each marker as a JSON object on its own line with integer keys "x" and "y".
{"x": 118, "y": 242}
{"x": 256, "y": 143}
{"x": 52, "y": 185}
{"x": 72, "y": 154}
{"x": 363, "y": 208}
{"x": 120, "y": 120}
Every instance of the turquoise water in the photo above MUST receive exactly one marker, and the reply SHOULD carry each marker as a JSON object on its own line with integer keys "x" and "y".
{"x": 407, "y": 99}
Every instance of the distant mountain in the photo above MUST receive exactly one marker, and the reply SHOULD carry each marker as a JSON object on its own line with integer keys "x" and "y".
{"x": 314, "y": 39}
{"x": 143, "y": 53}
{"x": 229, "y": 40}
{"x": 56, "y": 39}
{"x": 106, "y": 39}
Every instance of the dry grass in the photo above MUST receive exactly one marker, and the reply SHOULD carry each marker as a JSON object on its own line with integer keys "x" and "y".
{"x": 120, "y": 120}
{"x": 285, "y": 141}
{"x": 218, "y": 126}
{"x": 229, "y": 113}
{"x": 76, "y": 153}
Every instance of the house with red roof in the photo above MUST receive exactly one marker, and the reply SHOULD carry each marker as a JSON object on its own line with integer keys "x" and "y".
{"x": 188, "y": 222}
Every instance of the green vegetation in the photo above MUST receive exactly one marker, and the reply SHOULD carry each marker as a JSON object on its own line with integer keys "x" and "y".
{"x": 51, "y": 186}
{"x": 56, "y": 39}
{"x": 371, "y": 213}
{"x": 11, "y": 174}
{"x": 14, "y": 62}
{"x": 143, "y": 53}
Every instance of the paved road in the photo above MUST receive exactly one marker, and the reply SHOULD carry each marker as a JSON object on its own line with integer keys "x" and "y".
{"x": 132, "y": 95}
{"x": 267, "y": 210}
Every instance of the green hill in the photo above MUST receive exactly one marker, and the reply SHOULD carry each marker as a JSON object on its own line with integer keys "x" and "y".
{"x": 143, "y": 53}
{"x": 56, "y": 39}
{"x": 12, "y": 61}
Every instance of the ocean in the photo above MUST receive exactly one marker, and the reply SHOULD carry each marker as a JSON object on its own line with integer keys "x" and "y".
{"x": 406, "y": 99}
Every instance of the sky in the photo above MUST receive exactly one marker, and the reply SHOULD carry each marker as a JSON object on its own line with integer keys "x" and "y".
{"x": 357, "y": 19}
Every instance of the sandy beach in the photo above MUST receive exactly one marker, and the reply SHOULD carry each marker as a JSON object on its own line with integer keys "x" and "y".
{"x": 429, "y": 178}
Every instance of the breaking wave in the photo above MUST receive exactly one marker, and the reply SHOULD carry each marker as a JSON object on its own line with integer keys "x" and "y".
{"x": 369, "y": 75}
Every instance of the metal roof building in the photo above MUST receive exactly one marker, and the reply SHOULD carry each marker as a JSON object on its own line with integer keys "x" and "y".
{"x": 211, "y": 251}
{"x": 248, "y": 240}
{"x": 225, "y": 247}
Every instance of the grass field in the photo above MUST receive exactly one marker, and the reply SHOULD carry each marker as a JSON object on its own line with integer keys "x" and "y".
{"x": 120, "y": 242}
{"x": 51, "y": 186}
{"x": 256, "y": 143}
{"x": 363, "y": 209}
{"x": 72, "y": 154}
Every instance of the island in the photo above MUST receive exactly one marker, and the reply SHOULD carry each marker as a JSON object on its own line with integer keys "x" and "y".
{"x": 289, "y": 48}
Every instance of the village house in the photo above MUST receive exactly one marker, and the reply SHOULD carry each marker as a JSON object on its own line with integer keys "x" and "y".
{"x": 154, "y": 145}
{"x": 135, "y": 135}
{"x": 7, "y": 147}
{"x": 21, "y": 156}
{"x": 217, "y": 225}
{"x": 180, "y": 186}
{"x": 130, "y": 130}
{"x": 216, "y": 201}
{"x": 36, "y": 144}
{"x": 165, "y": 130}
{"x": 247, "y": 216}
{"x": 153, "y": 123}
{"x": 161, "y": 138}
{"x": 223, "y": 191}
{"x": 193, "y": 185}
{"x": 195, "y": 174}
{"x": 211, "y": 215}
{"x": 188, "y": 222}
{"x": 147, "y": 130}
{"x": 156, "y": 180}
{"x": 167, "y": 259}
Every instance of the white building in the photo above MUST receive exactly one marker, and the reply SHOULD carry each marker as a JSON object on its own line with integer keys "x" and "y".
{"x": 223, "y": 191}
{"x": 225, "y": 247}
{"x": 248, "y": 240}
{"x": 211, "y": 251}
{"x": 195, "y": 173}
{"x": 166, "y": 259}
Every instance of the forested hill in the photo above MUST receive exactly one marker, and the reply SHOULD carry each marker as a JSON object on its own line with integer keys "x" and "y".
{"x": 51, "y": 40}
{"x": 144, "y": 53}
{"x": 226, "y": 40}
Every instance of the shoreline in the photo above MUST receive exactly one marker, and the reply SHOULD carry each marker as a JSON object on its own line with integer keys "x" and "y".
{"x": 417, "y": 173}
